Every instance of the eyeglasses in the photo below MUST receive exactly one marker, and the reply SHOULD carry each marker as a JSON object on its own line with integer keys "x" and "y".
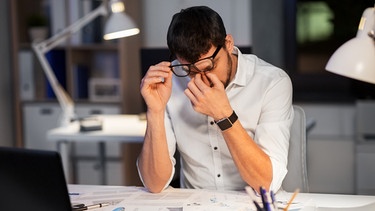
{"x": 202, "y": 65}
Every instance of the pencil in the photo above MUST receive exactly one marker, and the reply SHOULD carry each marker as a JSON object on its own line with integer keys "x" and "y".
{"x": 291, "y": 199}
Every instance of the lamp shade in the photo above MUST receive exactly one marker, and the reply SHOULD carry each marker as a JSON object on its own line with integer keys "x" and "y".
{"x": 356, "y": 58}
{"x": 119, "y": 24}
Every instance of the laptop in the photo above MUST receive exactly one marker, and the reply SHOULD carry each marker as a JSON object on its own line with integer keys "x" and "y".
{"x": 32, "y": 180}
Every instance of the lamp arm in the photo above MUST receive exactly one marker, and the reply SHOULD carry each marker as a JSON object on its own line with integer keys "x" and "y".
{"x": 65, "y": 101}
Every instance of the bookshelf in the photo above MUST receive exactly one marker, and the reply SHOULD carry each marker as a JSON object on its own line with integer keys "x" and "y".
{"x": 76, "y": 62}
{"x": 37, "y": 111}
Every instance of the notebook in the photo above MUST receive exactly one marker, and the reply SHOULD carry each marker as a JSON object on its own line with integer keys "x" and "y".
{"x": 32, "y": 180}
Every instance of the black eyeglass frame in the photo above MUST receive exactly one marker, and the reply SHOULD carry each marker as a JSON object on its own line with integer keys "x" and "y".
{"x": 211, "y": 58}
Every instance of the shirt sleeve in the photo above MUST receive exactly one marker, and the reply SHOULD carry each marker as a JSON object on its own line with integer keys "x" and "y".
{"x": 273, "y": 131}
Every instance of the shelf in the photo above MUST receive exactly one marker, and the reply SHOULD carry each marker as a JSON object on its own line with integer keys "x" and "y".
{"x": 95, "y": 47}
{"x": 89, "y": 47}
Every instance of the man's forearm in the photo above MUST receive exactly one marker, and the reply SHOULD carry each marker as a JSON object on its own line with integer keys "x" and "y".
{"x": 253, "y": 164}
{"x": 154, "y": 163}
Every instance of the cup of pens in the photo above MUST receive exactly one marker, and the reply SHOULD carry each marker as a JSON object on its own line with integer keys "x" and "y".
{"x": 266, "y": 201}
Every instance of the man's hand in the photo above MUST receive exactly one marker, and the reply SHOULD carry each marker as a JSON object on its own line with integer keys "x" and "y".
{"x": 156, "y": 86}
{"x": 207, "y": 95}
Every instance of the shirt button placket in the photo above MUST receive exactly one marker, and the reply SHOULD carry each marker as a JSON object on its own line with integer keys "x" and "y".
{"x": 214, "y": 143}
{"x": 218, "y": 169}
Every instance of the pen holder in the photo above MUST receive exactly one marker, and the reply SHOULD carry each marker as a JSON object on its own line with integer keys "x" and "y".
{"x": 264, "y": 201}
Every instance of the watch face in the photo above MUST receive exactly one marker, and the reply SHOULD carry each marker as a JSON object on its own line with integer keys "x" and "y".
{"x": 225, "y": 124}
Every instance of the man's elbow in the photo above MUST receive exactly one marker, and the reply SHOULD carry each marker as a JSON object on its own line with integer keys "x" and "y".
{"x": 155, "y": 189}
{"x": 154, "y": 184}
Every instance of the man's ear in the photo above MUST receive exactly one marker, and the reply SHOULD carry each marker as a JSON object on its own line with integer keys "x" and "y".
{"x": 229, "y": 43}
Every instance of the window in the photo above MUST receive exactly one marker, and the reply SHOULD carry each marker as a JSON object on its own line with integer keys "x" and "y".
{"x": 315, "y": 29}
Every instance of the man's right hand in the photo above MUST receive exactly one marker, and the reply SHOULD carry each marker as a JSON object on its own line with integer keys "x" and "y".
{"x": 156, "y": 86}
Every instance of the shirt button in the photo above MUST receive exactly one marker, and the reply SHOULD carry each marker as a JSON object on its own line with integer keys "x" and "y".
{"x": 215, "y": 148}
{"x": 212, "y": 122}
{"x": 218, "y": 175}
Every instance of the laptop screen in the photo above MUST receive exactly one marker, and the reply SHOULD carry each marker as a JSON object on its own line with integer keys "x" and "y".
{"x": 32, "y": 180}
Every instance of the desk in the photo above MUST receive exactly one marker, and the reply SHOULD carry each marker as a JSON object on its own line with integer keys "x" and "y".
{"x": 137, "y": 198}
{"x": 116, "y": 128}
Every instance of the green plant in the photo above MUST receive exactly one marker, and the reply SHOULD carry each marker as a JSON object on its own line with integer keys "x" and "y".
{"x": 36, "y": 20}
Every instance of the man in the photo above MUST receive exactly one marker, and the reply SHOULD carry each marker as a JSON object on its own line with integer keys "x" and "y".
{"x": 228, "y": 114}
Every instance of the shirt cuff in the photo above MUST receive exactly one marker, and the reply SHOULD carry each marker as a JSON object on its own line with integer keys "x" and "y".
{"x": 278, "y": 174}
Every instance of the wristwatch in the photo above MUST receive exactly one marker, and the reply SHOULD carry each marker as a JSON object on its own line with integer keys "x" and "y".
{"x": 227, "y": 122}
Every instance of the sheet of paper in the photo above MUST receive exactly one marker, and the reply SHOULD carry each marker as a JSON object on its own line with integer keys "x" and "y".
{"x": 220, "y": 201}
{"x": 112, "y": 195}
{"x": 176, "y": 200}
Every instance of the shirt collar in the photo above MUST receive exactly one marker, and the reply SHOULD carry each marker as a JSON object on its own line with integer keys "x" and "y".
{"x": 243, "y": 67}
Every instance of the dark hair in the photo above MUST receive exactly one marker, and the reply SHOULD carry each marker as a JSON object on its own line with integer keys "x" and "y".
{"x": 193, "y": 31}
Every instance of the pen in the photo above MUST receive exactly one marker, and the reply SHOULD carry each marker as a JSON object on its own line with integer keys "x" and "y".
{"x": 257, "y": 206}
{"x": 75, "y": 206}
{"x": 265, "y": 200}
{"x": 89, "y": 207}
{"x": 252, "y": 193}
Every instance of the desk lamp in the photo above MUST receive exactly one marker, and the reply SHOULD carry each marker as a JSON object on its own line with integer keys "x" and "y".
{"x": 118, "y": 25}
{"x": 356, "y": 58}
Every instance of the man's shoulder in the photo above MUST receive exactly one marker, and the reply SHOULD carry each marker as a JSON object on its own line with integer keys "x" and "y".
{"x": 260, "y": 66}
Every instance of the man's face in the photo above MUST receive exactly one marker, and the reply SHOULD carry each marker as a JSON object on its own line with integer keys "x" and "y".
{"x": 222, "y": 66}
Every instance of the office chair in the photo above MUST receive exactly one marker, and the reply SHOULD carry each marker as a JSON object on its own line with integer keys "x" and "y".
{"x": 297, "y": 170}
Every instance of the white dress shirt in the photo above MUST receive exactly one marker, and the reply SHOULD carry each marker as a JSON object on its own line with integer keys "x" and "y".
{"x": 261, "y": 95}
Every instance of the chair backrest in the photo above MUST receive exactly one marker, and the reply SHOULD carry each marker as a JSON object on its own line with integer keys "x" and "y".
{"x": 297, "y": 170}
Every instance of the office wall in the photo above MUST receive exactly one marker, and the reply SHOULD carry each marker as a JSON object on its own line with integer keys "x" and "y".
{"x": 6, "y": 121}
{"x": 268, "y": 36}
{"x": 158, "y": 14}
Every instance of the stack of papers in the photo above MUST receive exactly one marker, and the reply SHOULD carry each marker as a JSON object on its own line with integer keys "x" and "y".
{"x": 139, "y": 199}
{"x": 127, "y": 198}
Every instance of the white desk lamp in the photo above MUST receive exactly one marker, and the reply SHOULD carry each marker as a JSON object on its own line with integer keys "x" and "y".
{"x": 118, "y": 25}
{"x": 356, "y": 58}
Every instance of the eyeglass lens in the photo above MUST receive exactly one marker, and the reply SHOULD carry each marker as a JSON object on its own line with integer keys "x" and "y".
{"x": 184, "y": 70}
{"x": 202, "y": 65}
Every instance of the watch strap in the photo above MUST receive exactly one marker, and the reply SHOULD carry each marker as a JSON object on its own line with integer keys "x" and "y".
{"x": 227, "y": 122}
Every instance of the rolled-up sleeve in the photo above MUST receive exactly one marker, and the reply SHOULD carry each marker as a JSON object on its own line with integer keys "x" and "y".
{"x": 273, "y": 131}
